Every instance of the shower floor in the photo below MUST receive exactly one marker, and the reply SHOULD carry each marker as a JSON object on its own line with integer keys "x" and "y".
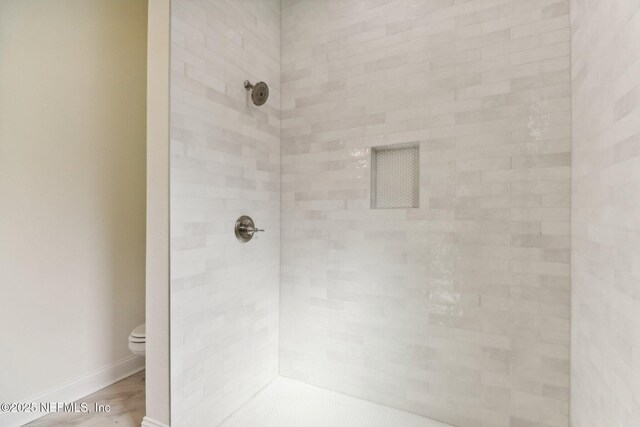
{"x": 289, "y": 403}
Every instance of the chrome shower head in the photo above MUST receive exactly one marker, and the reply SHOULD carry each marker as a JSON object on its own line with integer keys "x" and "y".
{"x": 259, "y": 92}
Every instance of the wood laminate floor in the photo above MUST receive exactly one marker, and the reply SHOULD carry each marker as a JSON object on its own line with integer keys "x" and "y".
{"x": 126, "y": 399}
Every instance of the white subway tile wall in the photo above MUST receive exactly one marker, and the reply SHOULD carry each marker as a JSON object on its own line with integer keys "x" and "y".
{"x": 458, "y": 310}
{"x": 605, "y": 364}
{"x": 225, "y": 162}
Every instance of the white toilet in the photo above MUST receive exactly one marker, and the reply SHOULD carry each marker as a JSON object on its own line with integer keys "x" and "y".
{"x": 138, "y": 340}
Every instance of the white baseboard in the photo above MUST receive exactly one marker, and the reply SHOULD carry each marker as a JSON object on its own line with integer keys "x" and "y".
{"x": 76, "y": 389}
{"x": 150, "y": 422}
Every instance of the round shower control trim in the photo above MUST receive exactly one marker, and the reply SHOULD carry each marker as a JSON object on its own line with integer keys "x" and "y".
{"x": 245, "y": 229}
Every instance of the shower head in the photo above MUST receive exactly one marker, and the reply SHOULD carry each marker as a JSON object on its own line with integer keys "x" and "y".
{"x": 259, "y": 92}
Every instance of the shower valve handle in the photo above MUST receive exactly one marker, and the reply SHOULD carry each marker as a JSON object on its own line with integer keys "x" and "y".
{"x": 245, "y": 229}
{"x": 249, "y": 229}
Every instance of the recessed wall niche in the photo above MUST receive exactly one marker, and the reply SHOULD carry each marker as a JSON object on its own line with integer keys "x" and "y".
{"x": 395, "y": 176}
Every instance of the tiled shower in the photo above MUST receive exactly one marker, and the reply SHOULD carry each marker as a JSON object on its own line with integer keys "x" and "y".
{"x": 450, "y": 196}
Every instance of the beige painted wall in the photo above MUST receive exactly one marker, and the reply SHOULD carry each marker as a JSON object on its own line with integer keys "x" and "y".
{"x": 72, "y": 188}
{"x": 157, "y": 386}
